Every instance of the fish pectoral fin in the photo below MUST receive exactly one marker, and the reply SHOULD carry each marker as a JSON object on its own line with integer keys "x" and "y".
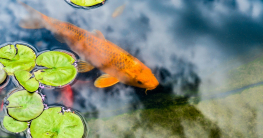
{"x": 105, "y": 80}
{"x": 31, "y": 23}
{"x": 98, "y": 34}
{"x": 84, "y": 66}
{"x": 59, "y": 38}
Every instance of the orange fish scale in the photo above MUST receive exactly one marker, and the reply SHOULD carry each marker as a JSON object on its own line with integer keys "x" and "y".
{"x": 107, "y": 53}
{"x": 99, "y": 52}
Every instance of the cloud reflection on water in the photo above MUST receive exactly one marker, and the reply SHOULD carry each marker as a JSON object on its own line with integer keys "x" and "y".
{"x": 194, "y": 39}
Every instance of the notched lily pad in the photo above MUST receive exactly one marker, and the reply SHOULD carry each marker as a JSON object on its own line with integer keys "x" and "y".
{"x": 13, "y": 125}
{"x": 25, "y": 106}
{"x": 60, "y": 70}
{"x": 52, "y": 59}
{"x": 7, "y": 52}
{"x": 23, "y": 59}
{"x": 52, "y": 123}
{"x": 87, "y": 3}
{"x": 24, "y": 78}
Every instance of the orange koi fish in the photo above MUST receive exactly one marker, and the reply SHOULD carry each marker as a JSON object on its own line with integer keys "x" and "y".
{"x": 96, "y": 51}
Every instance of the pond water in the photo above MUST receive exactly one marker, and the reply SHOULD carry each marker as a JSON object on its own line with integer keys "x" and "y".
{"x": 206, "y": 55}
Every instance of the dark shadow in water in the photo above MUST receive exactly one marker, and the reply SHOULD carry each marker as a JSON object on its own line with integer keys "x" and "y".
{"x": 172, "y": 120}
{"x": 169, "y": 121}
{"x": 174, "y": 89}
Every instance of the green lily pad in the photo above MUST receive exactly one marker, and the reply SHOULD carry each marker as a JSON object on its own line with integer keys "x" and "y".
{"x": 25, "y": 106}
{"x": 23, "y": 77}
{"x": 13, "y": 125}
{"x": 53, "y": 124}
{"x": 2, "y": 74}
{"x": 23, "y": 60}
{"x": 60, "y": 70}
{"x": 8, "y": 52}
{"x": 86, "y": 2}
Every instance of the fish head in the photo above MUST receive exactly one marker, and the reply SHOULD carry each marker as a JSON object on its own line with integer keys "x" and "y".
{"x": 143, "y": 78}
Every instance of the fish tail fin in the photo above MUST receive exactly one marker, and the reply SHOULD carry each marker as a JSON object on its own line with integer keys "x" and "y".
{"x": 34, "y": 20}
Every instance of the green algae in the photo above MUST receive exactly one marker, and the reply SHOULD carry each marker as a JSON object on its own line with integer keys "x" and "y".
{"x": 170, "y": 121}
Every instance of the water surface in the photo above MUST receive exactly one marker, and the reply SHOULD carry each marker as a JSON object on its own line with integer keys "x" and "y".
{"x": 207, "y": 53}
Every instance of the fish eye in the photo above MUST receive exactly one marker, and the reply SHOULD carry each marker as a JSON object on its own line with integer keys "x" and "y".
{"x": 139, "y": 82}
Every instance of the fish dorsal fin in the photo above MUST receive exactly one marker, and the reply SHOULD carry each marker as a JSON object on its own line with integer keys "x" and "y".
{"x": 105, "y": 80}
{"x": 33, "y": 20}
{"x": 98, "y": 34}
{"x": 84, "y": 66}
{"x": 59, "y": 38}
{"x": 31, "y": 23}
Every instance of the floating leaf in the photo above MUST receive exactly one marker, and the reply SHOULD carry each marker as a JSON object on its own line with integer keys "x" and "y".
{"x": 52, "y": 123}
{"x": 13, "y": 125}
{"x": 53, "y": 59}
{"x": 25, "y": 106}
{"x": 60, "y": 70}
{"x": 87, "y": 2}
{"x": 2, "y": 74}
{"x": 23, "y": 77}
{"x": 23, "y": 60}
{"x": 8, "y": 52}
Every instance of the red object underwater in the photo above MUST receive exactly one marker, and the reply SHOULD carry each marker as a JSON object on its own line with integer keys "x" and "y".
{"x": 67, "y": 96}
